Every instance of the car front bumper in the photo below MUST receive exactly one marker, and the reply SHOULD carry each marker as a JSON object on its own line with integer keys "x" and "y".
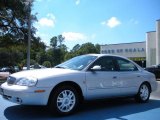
{"x": 25, "y": 95}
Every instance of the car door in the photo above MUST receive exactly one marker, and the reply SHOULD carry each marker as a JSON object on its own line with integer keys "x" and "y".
{"x": 101, "y": 78}
{"x": 129, "y": 76}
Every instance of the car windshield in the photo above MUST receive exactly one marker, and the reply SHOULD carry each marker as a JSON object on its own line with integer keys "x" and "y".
{"x": 77, "y": 63}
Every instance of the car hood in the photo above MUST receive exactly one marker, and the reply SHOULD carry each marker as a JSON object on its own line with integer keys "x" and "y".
{"x": 43, "y": 73}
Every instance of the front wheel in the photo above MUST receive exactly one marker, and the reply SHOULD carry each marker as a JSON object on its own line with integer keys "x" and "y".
{"x": 64, "y": 100}
{"x": 143, "y": 93}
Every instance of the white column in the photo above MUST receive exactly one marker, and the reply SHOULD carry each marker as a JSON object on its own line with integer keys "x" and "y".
{"x": 158, "y": 42}
{"x": 150, "y": 48}
{"x": 147, "y": 50}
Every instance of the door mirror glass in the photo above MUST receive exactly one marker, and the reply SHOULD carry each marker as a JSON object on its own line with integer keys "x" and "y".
{"x": 96, "y": 67}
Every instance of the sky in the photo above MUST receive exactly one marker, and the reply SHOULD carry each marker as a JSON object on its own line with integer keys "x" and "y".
{"x": 96, "y": 21}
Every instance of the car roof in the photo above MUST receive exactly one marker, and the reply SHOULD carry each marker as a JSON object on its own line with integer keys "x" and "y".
{"x": 101, "y": 55}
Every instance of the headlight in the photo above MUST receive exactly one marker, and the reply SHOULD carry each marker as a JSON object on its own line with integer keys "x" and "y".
{"x": 27, "y": 81}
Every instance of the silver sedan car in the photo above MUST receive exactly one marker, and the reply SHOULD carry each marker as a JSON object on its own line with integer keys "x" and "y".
{"x": 86, "y": 77}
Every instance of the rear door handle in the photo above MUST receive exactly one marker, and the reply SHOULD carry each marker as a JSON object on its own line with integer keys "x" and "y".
{"x": 114, "y": 77}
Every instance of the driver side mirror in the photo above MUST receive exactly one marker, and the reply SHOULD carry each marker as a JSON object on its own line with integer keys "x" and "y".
{"x": 96, "y": 67}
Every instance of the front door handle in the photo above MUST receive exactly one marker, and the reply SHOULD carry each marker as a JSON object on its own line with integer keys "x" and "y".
{"x": 114, "y": 77}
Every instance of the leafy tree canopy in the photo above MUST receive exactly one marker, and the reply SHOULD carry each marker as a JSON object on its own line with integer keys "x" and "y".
{"x": 14, "y": 15}
{"x": 14, "y": 18}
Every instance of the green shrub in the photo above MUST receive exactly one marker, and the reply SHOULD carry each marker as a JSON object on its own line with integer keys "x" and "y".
{"x": 47, "y": 64}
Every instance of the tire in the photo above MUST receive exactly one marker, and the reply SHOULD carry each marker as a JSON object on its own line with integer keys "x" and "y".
{"x": 143, "y": 93}
{"x": 64, "y": 101}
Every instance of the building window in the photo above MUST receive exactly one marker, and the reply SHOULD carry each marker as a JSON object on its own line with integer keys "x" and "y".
{"x": 126, "y": 50}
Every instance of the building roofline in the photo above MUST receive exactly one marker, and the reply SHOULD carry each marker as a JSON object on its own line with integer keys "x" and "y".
{"x": 124, "y": 43}
{"x": 150, "y": 31}
{"x": 158, "y": 20}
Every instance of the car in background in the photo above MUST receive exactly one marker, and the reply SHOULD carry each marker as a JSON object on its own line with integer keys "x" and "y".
{"x": 36, "y": 66}
{"x": 16, "y": 69}
{"x": 155, "y": 69}
{"x": 85, "y": 77}
{"x": 8, "y": 69}
{"x": 11, "y": 69}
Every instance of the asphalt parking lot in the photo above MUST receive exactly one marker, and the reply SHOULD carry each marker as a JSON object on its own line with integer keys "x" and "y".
{"x": 114, "y": 109}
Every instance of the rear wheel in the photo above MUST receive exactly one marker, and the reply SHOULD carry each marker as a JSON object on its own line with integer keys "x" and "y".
{"x": 64, "y": 100}
{"x": 143, "y": 94}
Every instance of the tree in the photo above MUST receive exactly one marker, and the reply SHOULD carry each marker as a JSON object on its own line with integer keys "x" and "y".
{"x": 47, "y": 64}
{"x": 87, "y": 48}
{"x": 37, "y": 47}
{"x": 23, "y": 62}
{"x": 14, "y": 18}
{"x": 60, "y": 39}
{"x": 14, "y": 32}
{"x": 53, "y": 42}
{"x": 57, "y": 50}
{"x": 76, "y": 48}
{"x": 98, "y": 48}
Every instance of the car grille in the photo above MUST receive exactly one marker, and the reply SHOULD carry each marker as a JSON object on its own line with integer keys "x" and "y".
{"x": 11, "y": 80}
